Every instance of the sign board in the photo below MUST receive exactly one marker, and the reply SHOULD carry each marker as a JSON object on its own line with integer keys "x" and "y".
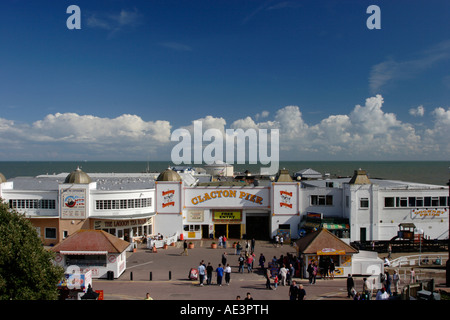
{"x": 168, "y": 197}
{"x": 195, "y": 215}
{"x": 224, "y": 215}
{"x": 330, "y": 252}
{"x": 227, "y": 197}
{"x": 429, "y": 213}
{"x": 73, "y": 203}
{"x": 285, "y": 198}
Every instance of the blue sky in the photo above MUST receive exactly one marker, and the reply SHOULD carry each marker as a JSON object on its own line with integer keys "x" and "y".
{"x": 168, "y": 63}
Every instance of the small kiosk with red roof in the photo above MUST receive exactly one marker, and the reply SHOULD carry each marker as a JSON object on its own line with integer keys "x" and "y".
{"x": 97, "y": 251}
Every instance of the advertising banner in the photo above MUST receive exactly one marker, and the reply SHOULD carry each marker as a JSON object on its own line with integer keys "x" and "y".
{"x": 168, "y": 197}
{"x": 285, "y": 198}
{"x": 73, "y": 204}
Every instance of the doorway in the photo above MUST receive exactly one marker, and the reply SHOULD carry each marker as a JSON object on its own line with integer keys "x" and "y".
{"x": 257, "y": 227}
{"x": 220, "y": 230}
{"x": 362, "y": 234}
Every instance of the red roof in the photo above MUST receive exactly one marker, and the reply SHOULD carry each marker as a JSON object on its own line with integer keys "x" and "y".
{"x": 92, "y": 240}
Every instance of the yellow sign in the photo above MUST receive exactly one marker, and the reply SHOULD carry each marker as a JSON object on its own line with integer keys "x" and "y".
{"x": 330, "y": 252}
{"x": 428, "y": 213}
{"x": 227, "y": 215}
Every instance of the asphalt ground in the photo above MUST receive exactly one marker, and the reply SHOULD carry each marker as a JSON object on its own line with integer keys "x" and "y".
{"x": 165, "y": 275}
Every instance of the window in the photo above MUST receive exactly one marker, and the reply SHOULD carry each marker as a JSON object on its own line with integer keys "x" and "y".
{"x": 419, "y": 202}
{"x": 435, "y": 201}
{"x": 401, "y": 201}
{"x": 389, "y": 202}
{"x": 364, "y": 203}
{"x": 427, "y": 201}
{"x": 123, "y": 204}
{"x": 442, "y": 201}
{"x": 50, "y": 233}
{"x": 191, "y": 227}
{"x": 65, "y": 234}
{"x": 32, "y": 204}
{"x": 321, "y": 200}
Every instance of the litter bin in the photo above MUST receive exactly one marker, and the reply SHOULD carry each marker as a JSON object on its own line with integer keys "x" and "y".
{"x": 110, "y": 275}
{"x": 181, "y": 236}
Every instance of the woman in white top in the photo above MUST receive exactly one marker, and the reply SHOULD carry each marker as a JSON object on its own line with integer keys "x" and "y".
{"x": 227, "y": 272}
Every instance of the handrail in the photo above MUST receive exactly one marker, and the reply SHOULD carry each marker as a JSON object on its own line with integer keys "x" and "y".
{"x": 406, "y": 260}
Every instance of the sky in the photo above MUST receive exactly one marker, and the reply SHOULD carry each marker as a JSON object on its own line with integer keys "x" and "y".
{"x": 136, "y": 71}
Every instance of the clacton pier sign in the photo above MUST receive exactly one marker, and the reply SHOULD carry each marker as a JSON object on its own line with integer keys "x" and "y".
{"x": 227, "y": 197}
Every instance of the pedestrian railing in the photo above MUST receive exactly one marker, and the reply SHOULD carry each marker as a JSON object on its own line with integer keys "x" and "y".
{"x": 419, "y": 260}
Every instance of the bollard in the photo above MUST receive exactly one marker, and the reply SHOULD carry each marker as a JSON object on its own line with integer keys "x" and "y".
{"x": 131, "y": 276}
{"x": 151, "y": 276}
{"x": 170, "y": 275}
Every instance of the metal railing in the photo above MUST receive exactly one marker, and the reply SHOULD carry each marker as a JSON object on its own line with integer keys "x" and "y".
{"x": 419, "y": 260}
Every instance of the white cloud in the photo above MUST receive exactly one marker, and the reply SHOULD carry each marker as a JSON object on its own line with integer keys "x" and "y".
{"x": 114, "y": 22}
{"x": 391, "y": 70}
{"x": 367, "y": 132}
{"x": 417, "y": 112}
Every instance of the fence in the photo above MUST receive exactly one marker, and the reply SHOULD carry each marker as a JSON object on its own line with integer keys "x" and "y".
{"x": 161, "y": 243}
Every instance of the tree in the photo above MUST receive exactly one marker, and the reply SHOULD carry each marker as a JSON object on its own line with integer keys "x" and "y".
{"x": 26, "y": 268}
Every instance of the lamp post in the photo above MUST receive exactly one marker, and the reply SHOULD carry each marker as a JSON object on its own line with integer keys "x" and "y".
{"x": 447, "y": 275}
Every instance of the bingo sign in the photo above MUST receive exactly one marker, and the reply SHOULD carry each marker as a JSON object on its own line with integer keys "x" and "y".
{"x": 73, "y": 204}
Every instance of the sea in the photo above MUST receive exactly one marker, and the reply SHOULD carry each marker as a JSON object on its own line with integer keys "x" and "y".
{"x": 430, "y": 172}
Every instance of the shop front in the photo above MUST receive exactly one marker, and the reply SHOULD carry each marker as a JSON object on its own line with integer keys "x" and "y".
{"x": 211, "y": 212}
{"x": 323, "y": 248}
{"x": 131, "y": 230}
{"x": 227, "y": 223}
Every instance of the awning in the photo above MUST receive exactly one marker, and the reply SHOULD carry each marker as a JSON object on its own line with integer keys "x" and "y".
{"x": 335, "y": 226}
{"x": 81, "y": 253}
{"x": 311, "y": 225}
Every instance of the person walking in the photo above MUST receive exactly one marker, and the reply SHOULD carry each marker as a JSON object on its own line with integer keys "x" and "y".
{"x": 396, "y": 281}
{"x": 291, "y": 273}
{"x": 227, "y": 272}
{"x": 301, "y": 293}
{"x": 332, "y": 268}
{"x": 219, "y": 272}
{"x": 281, "y": 241}
{"x": 241, "y": 261}
{"x": 262, "y": 260}
{"x": 201, "y": 273}
{"x": 147, "y": 296}
{"x": 224, "y": 239}
{"x": 277, "y": 240}
{"x": 350, "y": 285}
{"x": 310, "y": 270}
{"x": 209, "y": 271}
{"x": 253, "y": 244}
{"x": 283, "y": 274}
{"x": 224, "y": 258}
{"x": 267, "y": 274}
{"x": 249, "y": 263}
{"x": 293, "y": 291}
{"x": 388, "y": 281}
{"x": 412, "y": 276}
{"x": 185, "y": 248}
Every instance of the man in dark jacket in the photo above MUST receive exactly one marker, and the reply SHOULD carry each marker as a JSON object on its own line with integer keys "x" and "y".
{"x": 350, "y": 285}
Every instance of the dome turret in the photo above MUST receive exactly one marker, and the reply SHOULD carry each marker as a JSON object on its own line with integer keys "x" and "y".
{"x": 168, "y": 175}
{"x": 78, "y": 176}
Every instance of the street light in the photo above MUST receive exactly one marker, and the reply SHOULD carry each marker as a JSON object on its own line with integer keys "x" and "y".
{"x": 447, "y": 276}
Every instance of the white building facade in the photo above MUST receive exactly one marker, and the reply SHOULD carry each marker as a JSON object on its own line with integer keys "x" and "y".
{"x": 132, "y": 206}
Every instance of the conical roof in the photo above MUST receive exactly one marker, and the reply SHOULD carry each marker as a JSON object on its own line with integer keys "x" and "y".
{"x": 78, "y": 176}
{"x": 168, "y": 175}
{"x": 93, "y": 241}
{"x": 360, "y": 177}
{"x": 283, "y": 176}
{"x": 322, "y": 239}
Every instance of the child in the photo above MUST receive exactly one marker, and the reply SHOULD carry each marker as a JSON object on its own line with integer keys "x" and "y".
{"x": 275, "y": 283}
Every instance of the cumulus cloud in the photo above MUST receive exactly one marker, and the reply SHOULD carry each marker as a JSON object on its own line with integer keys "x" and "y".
{"x": 366, "y": 132}
{"x": 417, "y": 112}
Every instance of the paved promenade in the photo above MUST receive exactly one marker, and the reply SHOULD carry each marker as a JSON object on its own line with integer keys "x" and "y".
{"x": 168, "y": 271}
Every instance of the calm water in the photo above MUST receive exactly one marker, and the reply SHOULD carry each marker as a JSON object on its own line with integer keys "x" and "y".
{"x": 434, "y": 172}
